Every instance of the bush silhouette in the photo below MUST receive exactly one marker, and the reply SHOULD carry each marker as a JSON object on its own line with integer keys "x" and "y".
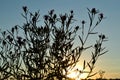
{"x": 46, "y": 52}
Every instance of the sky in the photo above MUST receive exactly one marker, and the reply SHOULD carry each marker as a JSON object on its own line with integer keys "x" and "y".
{"x": 10, "y": 15}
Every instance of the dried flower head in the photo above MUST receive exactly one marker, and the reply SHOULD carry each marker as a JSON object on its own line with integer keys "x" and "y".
{"x": 94, "y": 11}
{"x": 71, "y": 11}
{"x": 101, "y": 16}
{"x": 46, "y": 17}
{"x": 25, "y": 9}
{"x": 83, "y": 22}
{"x": 76, "y": 28}
{"x": 103, "y": 36}
{"x": 51, "y": 12}
{"x": 12, "y": 30}
{"x": 63, "y": 18}
{"x": 55, "y": 16}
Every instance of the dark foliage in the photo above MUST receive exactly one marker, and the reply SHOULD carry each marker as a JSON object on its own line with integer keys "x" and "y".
{"x": 46, "y": 52}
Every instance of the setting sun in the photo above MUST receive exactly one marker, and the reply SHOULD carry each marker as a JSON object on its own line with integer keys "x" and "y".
{"x": 75, "y": 74}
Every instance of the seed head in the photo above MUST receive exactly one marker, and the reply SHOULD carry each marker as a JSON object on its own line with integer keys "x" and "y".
{"x": 25, "y": 9}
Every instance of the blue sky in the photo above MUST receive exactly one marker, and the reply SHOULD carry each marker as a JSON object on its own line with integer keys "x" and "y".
{"x": 10, "y": 15}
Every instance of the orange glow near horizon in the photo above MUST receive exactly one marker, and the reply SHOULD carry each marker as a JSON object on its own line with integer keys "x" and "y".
{"x": 75, "y": 74}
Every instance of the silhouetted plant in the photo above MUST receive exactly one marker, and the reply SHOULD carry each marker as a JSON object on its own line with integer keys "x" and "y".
{"x": 46, "y": 52}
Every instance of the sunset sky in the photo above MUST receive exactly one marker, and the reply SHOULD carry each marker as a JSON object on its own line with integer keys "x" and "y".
{"x": 10, "y": 15}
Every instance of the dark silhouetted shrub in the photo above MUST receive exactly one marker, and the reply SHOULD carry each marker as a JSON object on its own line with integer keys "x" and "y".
{"x": 47, "y": 51}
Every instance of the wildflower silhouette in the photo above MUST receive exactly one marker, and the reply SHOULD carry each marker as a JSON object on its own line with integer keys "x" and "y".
{"x": 46, "y": 52}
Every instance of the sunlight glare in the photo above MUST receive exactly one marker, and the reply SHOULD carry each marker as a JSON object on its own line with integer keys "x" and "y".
{"x": 75, "y": 74}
